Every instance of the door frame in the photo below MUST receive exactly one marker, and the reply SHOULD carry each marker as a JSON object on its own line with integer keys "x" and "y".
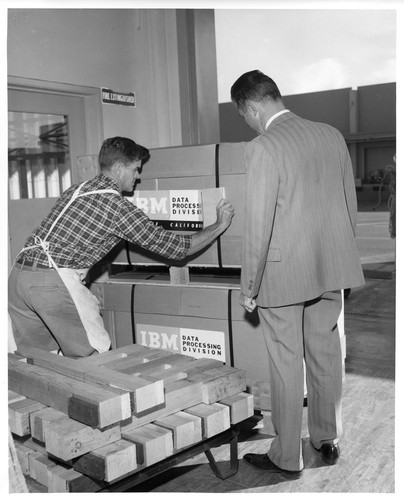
{"x": 92, "y": 105}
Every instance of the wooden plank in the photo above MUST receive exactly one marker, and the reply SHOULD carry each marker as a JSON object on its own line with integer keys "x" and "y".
{"x": 109, "y": 463}
{"x": 241, "y": 406}
{"x": 154, "y": 443}
{"x": 18, "y": 415}
{"x": 38, "y": 467}
{"x": 158, "y": 366}
{"x": 62, "y": 479}
{"x": 114, "y": 355}
{"x": 178, "y": 396}
{"x": 23, "y": 454}
{"x": 144, "y": 393}
{"x": 197, "y": 425}
{"x": 219, "y": 382}
{"x": 182, "y": 428}
{"x": 40, "y": 419}
{"x": 215, "y": 418}
{"x": 179, "y": 275}
{"x": 85, "y": 402}
{"x": 261, "y": 391}
{"x": 14, "y": 396}
{"x": 132, "y": 363}
{"x": 181, "y": 369}
{"x": 33, "y": 445}
{"x": 16, "y": 480}
{"x": 66, "y": 438}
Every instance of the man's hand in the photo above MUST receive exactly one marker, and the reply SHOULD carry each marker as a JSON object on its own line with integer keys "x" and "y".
{"x": 200, "y": 239}
{"x": 224, "y": 213}
{"x": 248, "y": 303}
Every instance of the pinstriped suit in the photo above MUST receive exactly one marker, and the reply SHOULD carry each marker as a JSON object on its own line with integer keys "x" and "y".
{"x": 299, "y": 249}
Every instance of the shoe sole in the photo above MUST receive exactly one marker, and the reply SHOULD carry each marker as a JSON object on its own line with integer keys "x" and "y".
{"x": 329, "y": 461}
{"x": 285, "y": 475}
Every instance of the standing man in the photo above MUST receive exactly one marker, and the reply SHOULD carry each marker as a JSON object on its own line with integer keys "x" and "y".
{"x": 299, "y": 252}
{"x": 49, "y": 305}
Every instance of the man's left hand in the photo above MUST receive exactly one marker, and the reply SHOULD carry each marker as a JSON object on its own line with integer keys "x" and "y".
{"x": 248, "y": 303}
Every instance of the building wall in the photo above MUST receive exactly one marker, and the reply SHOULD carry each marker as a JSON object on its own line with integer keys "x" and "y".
{"x": 377, "y": 105}
{"x": 126, "y": 50}
{"x": 80, "y": 47}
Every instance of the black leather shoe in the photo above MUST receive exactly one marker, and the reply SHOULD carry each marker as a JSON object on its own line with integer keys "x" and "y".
{"x": 263, "y": 462}
{"x": 329, "y": 453}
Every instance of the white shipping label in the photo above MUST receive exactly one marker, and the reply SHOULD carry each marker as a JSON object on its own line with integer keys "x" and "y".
{"x": 188, "y": 341}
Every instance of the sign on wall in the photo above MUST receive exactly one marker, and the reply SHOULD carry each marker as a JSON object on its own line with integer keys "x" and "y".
{"x": 180, "y": 210}
{"x": 122, "y": 98}
{"x": 187, "y": 341}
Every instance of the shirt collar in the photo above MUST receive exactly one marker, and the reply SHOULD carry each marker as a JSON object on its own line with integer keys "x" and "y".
{"x": 268, "y": 123}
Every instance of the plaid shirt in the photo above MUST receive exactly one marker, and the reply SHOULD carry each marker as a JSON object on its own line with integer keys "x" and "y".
{"x": 94, "y": 224}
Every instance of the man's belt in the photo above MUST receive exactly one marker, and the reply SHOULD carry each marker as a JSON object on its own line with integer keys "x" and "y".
{"x": 29, "y": 263}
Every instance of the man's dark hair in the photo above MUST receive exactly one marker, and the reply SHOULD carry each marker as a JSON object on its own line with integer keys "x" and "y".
{"x": 121, "y": 149}
{"x": 254, "y": 86}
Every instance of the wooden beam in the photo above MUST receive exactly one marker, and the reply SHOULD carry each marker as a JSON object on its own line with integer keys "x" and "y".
{"x": 109, "y": 463}
{"x": 219, "y": 382}
{"x": 158, "y": 365}
{"x": 178, "y": 396}
{"x": 67, "y": 480}
{"x": 154, "y": 443}
{"x": 66, "y": 438}
{"x": 18, "y": 415}
{"x": 132, "y": 363}
{"x": 23, "y": 454}
{"x": 241, "y": 406}
{"x": 14, "y": 396}
{"x": 144, "y": 392}
{"x": 85, "y": 402}
{"x": 215, "y": 418}
{"x": 182, "y": 426}
{"x": 40, "y": 419}
{"x": 38, "y": 467}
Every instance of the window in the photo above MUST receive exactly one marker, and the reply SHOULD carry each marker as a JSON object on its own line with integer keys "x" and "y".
{"x": 38, "y": 155}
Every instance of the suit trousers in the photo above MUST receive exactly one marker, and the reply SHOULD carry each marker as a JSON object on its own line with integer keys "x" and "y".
{"x": 306, "y": 332}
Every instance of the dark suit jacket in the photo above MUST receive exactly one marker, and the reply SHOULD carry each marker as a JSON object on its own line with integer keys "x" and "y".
{"x": 301, "y": 214}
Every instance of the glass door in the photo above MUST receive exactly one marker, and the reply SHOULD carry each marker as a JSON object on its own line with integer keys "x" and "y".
{"x": 46, "y": 135}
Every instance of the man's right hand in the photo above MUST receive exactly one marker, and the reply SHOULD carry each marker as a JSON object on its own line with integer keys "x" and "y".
{"x": 201, "y": 239}
{"x": 225, "y": 213}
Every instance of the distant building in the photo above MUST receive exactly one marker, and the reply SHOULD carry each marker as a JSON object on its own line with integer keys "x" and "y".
{"x": 366, "y": 117}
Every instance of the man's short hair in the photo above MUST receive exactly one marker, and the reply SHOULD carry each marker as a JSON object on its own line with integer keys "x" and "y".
{"x": 254, "y": 86}
{"x": 121, "y": 149}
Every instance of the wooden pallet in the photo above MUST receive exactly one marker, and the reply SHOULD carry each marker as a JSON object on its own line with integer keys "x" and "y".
{"x": 85, "y": 424}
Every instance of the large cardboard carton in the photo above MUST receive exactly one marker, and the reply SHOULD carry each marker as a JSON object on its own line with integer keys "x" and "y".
{"x": 196, "y": 168}
{"x": 201, "y": 319}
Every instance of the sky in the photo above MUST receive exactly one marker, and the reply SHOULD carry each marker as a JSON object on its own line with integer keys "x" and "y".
{"x": 306, "y": 50}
